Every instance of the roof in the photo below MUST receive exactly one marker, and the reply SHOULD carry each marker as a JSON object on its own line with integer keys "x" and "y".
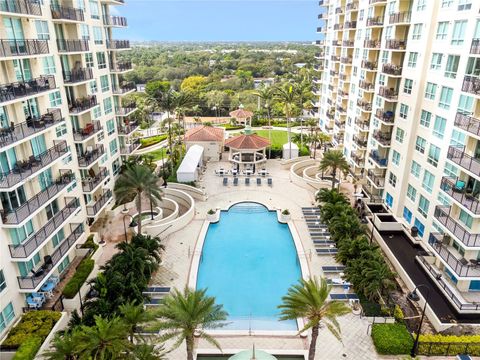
{"x": 248, "y": 355}
{"x": 247, "y": 141}
{"x": 293, "y": 146}
{"x": 241, "y": 114}
{"x": 205, "y": 133}
{"x": 192, "y": 158}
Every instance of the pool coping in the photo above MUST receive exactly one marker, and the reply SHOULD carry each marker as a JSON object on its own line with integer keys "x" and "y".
{"x": 301, "y": 255}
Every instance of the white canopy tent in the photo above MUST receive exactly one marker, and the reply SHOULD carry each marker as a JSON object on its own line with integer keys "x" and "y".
{"x": 290, "y": 151}
{"x": 189, "y": 168}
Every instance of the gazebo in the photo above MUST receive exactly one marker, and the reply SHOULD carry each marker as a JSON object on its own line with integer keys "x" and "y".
{"x": 253, "y": 355}
{"x": 248, "y": 149}
{"x": 241, "y": 115}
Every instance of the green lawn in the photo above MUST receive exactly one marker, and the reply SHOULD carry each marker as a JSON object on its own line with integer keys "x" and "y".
{"x": 157, "y": 154}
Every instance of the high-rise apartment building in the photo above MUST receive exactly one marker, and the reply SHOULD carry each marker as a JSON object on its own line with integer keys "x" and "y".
{"x": 399, "y": 86}
{"x": 63, "y": 131}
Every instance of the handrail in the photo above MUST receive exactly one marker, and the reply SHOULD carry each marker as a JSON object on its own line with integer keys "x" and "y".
{"x": 25, "y": 88}
{"x": 82, "y": 104}
{"x": 72, "y": 45}
{"x": 92, "y": 210}
{"x": 118, "y": 44}
{"x": 442, "y": 214}
{"x": 23, "y": 47}
{"x": 90, "y": 129}
{"x": 91, "y": 183}
{"x": 467, "y": 123}
{"x": 468, "y": 200}
{"x": 67, "y": 13}
{"x": 30, "y": 7}
{"x": 89, "y": 157}
{"x": 77, "y": 75}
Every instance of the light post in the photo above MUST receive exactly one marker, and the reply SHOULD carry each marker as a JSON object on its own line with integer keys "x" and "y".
{"x": 413, "y": 296}
{"x": 131, "y": 225}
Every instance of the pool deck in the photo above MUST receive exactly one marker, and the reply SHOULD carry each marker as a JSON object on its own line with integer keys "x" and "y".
{"x": 181, "y": 249}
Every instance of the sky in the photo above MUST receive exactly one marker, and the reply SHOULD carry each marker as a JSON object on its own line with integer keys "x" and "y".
{"x": 219, "y": 20}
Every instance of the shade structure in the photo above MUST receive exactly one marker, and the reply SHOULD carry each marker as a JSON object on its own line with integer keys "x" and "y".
{"x": 247, "y": 142}
{"x": 205, "y": 133}
{"x": 189, "y": 168}
{"x": 248, "y": 355}
{"x": 241, "y": 115}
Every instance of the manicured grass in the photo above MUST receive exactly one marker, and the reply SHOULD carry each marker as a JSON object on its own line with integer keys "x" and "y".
{"x": 157, "y": 154}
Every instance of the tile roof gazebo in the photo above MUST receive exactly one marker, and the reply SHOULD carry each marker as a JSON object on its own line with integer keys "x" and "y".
{"x": 247, "y": 148}
{"x": 241, "y": 115}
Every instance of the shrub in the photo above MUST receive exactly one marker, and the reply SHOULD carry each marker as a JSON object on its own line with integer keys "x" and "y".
{"x": 28, "y": 349}
{"x": 391, "y": 339}
{"x": 285, "y": 212}
{"x": 90, "y": 244}
{"x": 398, "y": 313}
{"x": 33, "y": 324}
{"x": 210, "y": 212}
{"x": 232, "y": 127}
{"x": 83, "y": 270}
{"x": 445, "y": 346}
{"x": 152, "y": 140}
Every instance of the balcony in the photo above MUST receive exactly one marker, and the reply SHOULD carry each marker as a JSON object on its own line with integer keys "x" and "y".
{"x": 118, "y": 44}
{"x": 32, "y": 126}
{"x": 383, "y": 138}
{"x": 124, "y": 88}
{"x": 385, "y": 116}
{"x": 377, "y": 2}
{"x": 364, "y": 105}
{"x": 340, "y": 124}
{"x": 400, "y": 17}
{"x": 67, "y": 13}
{"x": 396, "y": 44}
{"x": 29, "y": 246}
{"x": 117, "y": 21}
{"x": 121, "y": 66}
{"x": 341, "y": 109}
{"x": 455, "y": 190}
{"x": 25, "y": 7}
{"x": 339, "y": 10}
{"x": 371, "y": 44}
{"x": 475, "y": 47}
{"x": 350, "y": 25}
{"x": 125, "y": 111}
{"x": 460, "y": 157}
{"x": 362, "y": 124}
{"x": 459, "y": 265}
{"x": 377, "y": 179}
{"x": 91, "y": 183}
{"x": 375, "y": 21}
{"x": 72, "y": 46}
{"x": 390, "y": 94}
{"x": 348, "y": 43}
{"x": 344, "y": 77}
{"x": 359, "y": 160}
{"x": 367, "y": 86}
{"x": 352, "y": 6}
{"x": 130, "y": 148}
{"x": 23, "y": 169}
{"x": 392, "y": 69}
{"x": 338, "y": 27}
{"x": 24, "y": 47}
{"x": 468, "y": 123}
{"x": 369, "y": 65}
{"x": 338, "y": 139}
{"x": 21, "y": 89}
{"x": 335, "y": 58}
{"x": 471, "y": 84}
{"x": 333, "y": 73}
{"x": 91, "y": 155}
{"x": 77, "y": 76}
{"x": 346, "y": 60}
{"x": 442, "y": 214}
{"x": 34, "y": 280}
{"x": 81, "y": 105}
{"x": 127, "y": 129}
{"x": 93, "y": 210}
{"x": 88, "y": 131}
{"x": 379, "y": 160}
{"x": 22, "y": 212}
{"x": 360, "y": 142}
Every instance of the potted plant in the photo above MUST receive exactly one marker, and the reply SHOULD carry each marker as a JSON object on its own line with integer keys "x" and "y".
{"x": 212, "y": 215}
{"x": 286, "y": 215}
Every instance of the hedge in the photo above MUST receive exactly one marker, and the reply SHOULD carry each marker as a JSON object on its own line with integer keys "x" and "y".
{"x": 449, "y": 345}
{"x": 28, "y": 349}
{"x": 81, "y": 274}
{"x": 33, "y": 324}
{"x": 232, "y": 127}
{"x": 90, "y": 244}
{"x": 391, "y": 339}
{"x": 146, "y": 142}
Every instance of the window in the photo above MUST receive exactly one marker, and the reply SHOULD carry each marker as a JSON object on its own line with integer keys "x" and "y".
{"x": 107, "y": 106}
{"x": 389, "y": 199}
{"x": 93, "y": 87}
{"x": 439, "y": 127}
{"x": 395, "y": 157}
{"x": 420, "y": 226}
{"x": 381, "y": 80}
{"x": 430, "y": 91}
{"x": 392, "y": 179}
{"x": 442, "y": 30}
{"x": 450, "y": 170}
{"x": 3, "y": 283}
{"x": 420, "y": 144}
{"x": 61, "y": 130}
{"x": 42, "y": 30}
{"x": 89, "y": 60}
{"x": 6, "y": 316}
{"x": 110, "y": 127}
{"x": 425, "y": 118}
{"x": 411, "y": 193}
{"x": 94, "y": 9}
{"x": 452, "y": 66}
{"x": 458, "y": 35}
{"x": 445, "y": 98}
{"x": 443, "y": 199}
{"x": 465, "y": 104}
{"x": 97, "y": 112}
{"x": 412, "y": 59}
{"x": 423, "y": 205}
{"x": 428, "y": 180}
{"x": 447, "y": 3}
{"x": 104, "y": 83}
{"x": 407, "y": 86}
{"x": 85, "y": 32}
{"x": 58, "y": 238}
{"x": 436, "y": 63}
{"x": 55, "y": 99}
{"x": 399, "y": 135}
{"x": 48, "y": 65}
{"x": 407, "y": 215}
{"x": 465, "y": 218}
{"x": 458, "y": 138}
{"x": 416, "y": 169}
{"x": 102, "y": 64}
{"x": 113, "y": 147}
{"x": 433, "y": 155}
{"x": 421, "y": 5}
{"x": 417, "y": 31}
{"x": 403, "y": 111}
{"x": 464, "y": 5}
{"x": 97, "y": 35}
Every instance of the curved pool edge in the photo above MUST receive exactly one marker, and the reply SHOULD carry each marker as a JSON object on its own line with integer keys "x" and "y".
{"x": 301, "y": 255}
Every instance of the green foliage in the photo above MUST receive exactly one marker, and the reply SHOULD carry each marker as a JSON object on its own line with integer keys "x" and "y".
{"x": 78, "y": 279}
{"x": 448, "y": 345}
{"x": 232, "y": 127}
{"x": 90, "y": 244}
{"x": 33, "y": 324}
{"x": 398, "y": 313}
{"x": 153, "y": 88}
{"x": 28, "y": 349}
{"x": 146, "y": 142}
{"x": 193, "y": 83}
{"x": 391, "y": 339}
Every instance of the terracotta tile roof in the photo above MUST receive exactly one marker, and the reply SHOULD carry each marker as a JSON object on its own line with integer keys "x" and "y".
{"x": 241, "y": 114}
{"x": 247, "y": 142}
{"x": 205, "y": 133}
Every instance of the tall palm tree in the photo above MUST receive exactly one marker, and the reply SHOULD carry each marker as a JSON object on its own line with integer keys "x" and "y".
{"x": 331, "y": 196}
{"x": 63, "y": 348}
{"x": 185, "y": 314}
{"x": 183, "y": 100}
{"x": 333, "y": 161}
{"x": 288, "y": 98}
{"x": 266, "y": 95}
{"x": 309, "y": 300}
{"x": 133, "y": 314}
{"x": 150, "y": 243}
{"x": 139, "y": 180}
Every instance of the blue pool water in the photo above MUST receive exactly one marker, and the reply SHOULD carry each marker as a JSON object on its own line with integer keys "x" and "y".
{"x": 248, "y": 263}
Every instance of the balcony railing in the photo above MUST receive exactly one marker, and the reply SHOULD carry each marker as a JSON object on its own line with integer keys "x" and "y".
{"x": 393, "y": 44}
{"x": 91, "y": 155}
{"x": 460, "y": 157}
{"x": 365, "y": 85}
{"x": 392, "y": 69}
{"x": 82, "y": 104}
{"x": 65, "y": 46}
{"x": 92, "y": 182}
{"x": 380, "y": 161}
{"x": 371, "y": 44}
{"x": 27, "y": 7}
{"x": 337, "y": 27}
{"x": 121, "y": 66}
{"x": 335, "y": 58}
{"x": 350, "y": 25}
{"x": 375, "y": 21}
{"x": 400, "y": 17}
{"x": 118, "y": 44}
{"x": 377, "y": 179}
{"x": 114, "y": 21}
{"x": 362, "y": 124}
{"x": 463, "y": 196}
{"x": 359, "y": 160}
{"x": 17, "y": 215}
{"x": 391, "y": 94}
{"x": 475, "y": 47}
{"x": 348, "y": 43}
{"x": 77, "y": 75}
{"x": 360, "y": 142}
{"x": 29, "y": 246}
{"x": 124, "y": 88}
{"x": 32, "y": 281}
{"x": 471, "y": 84}
{"x": 24, "y": 47}
{"x": 67, "y": 13}
{"x": 383, "y": 138}
{"x": 372, "y": 2}
{"x": 21, "y": 89}
{"x": 365, "y": 105}
{"x": 346, "y": 60}
{"x": 124, "y": 111}
{"x": 24, "y": 169}
{"x": 468, "y": 123}
{"x": 369, "y": 65}
{"x": 92, "y": 210}
{"x": 129, "y": 148}
{"x": 385, "y": 116}
{"x": 442, "y": 214}
{"x": 89, "y": 130}
{"x": 352, "y": 6}
{"x": 18, "y": 132}
{"x": 127, "y": 129}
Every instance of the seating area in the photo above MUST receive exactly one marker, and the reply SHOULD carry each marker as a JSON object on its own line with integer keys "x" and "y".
{"x": 248, "y": 173}
{"x": 36, "y": 300}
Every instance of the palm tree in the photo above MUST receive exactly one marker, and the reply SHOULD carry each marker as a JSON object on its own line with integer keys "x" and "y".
{"x": 63, "y": 348}
{"x": 149, "y": 243}
{"x": 183, "y": 101}
{"x": 331, "y": 196}
{"x": 333, "y": 160}
{"x": 309, "y": 300}
{"x": 133, "y": 315}
{"x": 323, "y": 139}
{"x": 288, "y": 98}
{"x": 147, "y": 352}
{"x": 187, "y": 314}
{"x": 139, "y": 180}
{"x": 265, "y": 94}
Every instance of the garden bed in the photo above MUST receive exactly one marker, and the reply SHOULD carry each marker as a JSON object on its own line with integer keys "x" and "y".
{"x": 153, "y": 140}
{"x": 391, "y": 339}
{"x": 78, "y": 279}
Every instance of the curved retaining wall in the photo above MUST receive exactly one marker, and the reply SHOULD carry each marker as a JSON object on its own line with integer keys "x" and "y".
{"x": 300, "y": 180}
{"x": 197, "y": 194}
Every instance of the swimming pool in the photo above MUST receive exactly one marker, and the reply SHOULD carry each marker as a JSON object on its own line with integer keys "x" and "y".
{"x": 248, "y": 262}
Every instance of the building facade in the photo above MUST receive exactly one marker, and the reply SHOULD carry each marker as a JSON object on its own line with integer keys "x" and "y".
{"x": 64, "y": 127}
{"x": 399, "y": 91}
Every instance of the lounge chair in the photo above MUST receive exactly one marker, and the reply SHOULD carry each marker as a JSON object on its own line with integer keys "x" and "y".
{"x": 247, "y": 181}
{"x": 269, "y": 181}
{"x": 259, "y": 181}
{"x": 323, "y": 242}
{"x": 459, "y": 185}
{"x": 235, "y": 181}
{"x": 344, "y": 297}
{"x": 153, "y": 302}
{"x": 156, "y": 290}
{"x": 333, "y": 269}
{"x": 327, "y": 251}
{"x": 225, "y": 181}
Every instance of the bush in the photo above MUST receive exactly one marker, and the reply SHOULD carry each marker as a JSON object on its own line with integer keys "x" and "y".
{"x": 210, "y": 212}
{"x": 391, "y": 339}
{"x": 445, "y": 346}
{"x": 33, "y": 324}
{"x": 28, "y": 349}
{"x": 146, "y": 142}
{"x": 285, "y": 212}
{"x": 90, "y": 244}
{"x": 398, "y": 313}
{"x": 232, "y": 127}
{"x": 83, "y": 270}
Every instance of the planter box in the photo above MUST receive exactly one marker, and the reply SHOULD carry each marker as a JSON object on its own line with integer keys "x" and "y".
{"x": 214, "y": 218}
